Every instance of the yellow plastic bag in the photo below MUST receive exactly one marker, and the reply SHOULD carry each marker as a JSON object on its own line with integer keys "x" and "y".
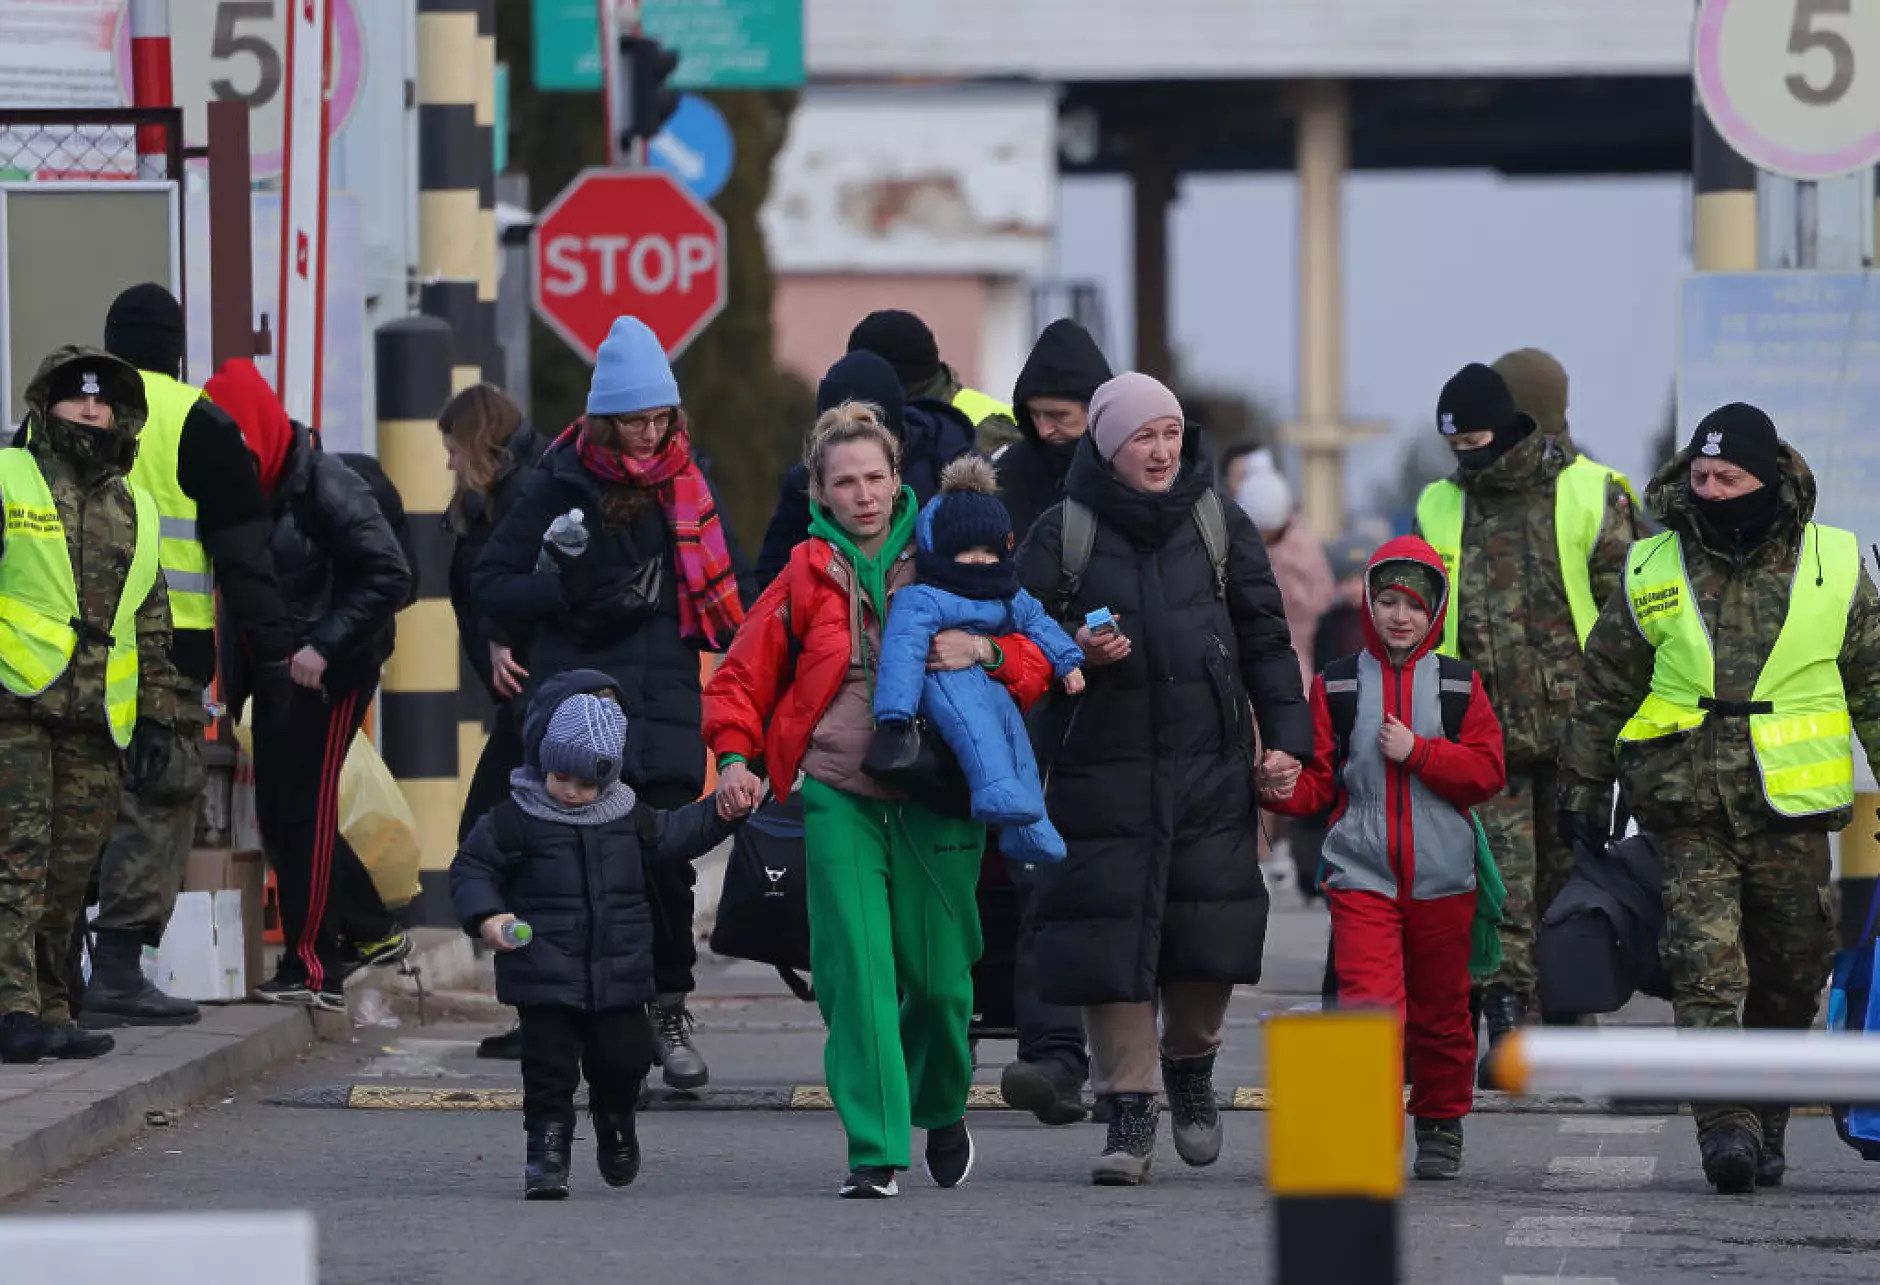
{"x": 374, "y": 819}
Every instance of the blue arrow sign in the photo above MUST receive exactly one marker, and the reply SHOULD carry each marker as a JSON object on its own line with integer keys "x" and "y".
{"x": 695, "y": 147}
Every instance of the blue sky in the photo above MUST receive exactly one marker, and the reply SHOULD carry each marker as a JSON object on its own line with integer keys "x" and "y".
{"x": 1440, "y": 269}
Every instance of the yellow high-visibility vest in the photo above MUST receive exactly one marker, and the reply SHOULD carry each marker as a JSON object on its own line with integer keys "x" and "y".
{"x": 186, "y": 568}
{"x": 1579, "y": 510}
{"x": 978, "y": 406}
{"x": 1798, "y": 720}
{"x": 39, "y": 598}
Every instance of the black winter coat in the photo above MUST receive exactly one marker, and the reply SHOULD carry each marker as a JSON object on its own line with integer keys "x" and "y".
{"x": 656, "y": 669}
{"x": 342, "y": 572}
{"x": 471, "y": 525}
{"x": 1149, "y": 774}
{"x": 1065, "y": 362}
{"x": 933, "y": 435}
{"x": 582, "y": 889}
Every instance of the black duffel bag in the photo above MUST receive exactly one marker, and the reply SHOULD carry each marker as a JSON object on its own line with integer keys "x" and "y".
{"x": 1598, "y": 943}
{"x": 763, "y": 910}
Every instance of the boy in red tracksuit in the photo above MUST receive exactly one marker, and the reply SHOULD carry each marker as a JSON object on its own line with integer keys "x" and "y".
{"x": 1405, "y": 744}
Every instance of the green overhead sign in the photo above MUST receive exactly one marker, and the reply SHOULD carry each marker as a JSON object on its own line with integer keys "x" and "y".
{"x": 722, "y": 44}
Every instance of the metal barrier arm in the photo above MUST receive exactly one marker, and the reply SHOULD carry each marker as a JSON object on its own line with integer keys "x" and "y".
{"x": 1691, "y": 1065}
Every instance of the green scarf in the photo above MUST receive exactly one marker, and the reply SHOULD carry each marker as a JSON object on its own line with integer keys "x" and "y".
{"x": 871, "y": 573}
{"x": 1490, "y": 893}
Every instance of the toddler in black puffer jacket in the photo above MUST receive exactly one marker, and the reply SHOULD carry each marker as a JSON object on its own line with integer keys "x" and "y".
{"x": 566, "y": 855}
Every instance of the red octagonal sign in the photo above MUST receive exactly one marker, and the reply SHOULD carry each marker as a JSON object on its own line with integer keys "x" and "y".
{"x": 618, "y": 243}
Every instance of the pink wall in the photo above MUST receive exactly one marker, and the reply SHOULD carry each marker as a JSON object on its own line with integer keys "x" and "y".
{"x": 813, "y": 316}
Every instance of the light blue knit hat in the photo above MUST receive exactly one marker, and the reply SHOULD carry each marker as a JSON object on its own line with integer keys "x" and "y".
{"x": 586, "y": 739}
{"x": 631, "y": 372}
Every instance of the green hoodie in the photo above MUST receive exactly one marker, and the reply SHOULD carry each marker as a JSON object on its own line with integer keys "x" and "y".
{"x": 870, "y": 573}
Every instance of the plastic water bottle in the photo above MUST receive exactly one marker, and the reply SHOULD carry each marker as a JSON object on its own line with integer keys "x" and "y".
{"x": 517, "y": 933}
{"x": 569, "y": 534}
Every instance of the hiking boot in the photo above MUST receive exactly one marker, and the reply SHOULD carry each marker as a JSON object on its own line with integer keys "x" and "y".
{"x": 546, "y": 1175}
{"x": 1197, "y": 1117}
{"x": 869, "y": 1182}
{"x": 616, "y": 1147}
{"x": 70, "y": 1042}
{"x": 120, "y": 992}
{"x": 1439, "y": 1150}
{"x": 1503, "y": 1012}
{"x": 1732, "y": 1153}
{"x": 1049, "y": 1090}
{"x": 680, "y": 1063}
{"x": 950, "y": 1154}
{"x": 1775, "y": 1161}
{"x": 506, "y": 1047}
{"x": 1130, "y": 1146}
{"x": 23, "y": 1038}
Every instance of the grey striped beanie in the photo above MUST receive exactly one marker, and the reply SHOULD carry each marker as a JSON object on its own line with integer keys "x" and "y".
{"x": 586, "y": 738}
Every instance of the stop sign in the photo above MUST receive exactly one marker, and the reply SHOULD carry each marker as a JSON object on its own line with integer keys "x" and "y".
{"x": 619, "y": 242}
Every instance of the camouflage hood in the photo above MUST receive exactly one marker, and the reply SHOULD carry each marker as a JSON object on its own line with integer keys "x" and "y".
{"x": 1668, "y": 495}
{"x": 121, "y": 386}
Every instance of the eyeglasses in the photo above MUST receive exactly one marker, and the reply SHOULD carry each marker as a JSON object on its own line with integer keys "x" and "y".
{"x": 657, "y": 421}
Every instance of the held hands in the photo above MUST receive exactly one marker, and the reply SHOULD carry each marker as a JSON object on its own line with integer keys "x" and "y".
{"x": 307, "y": 668}
{"x": 955, "y": 649}
{"x": 738, "y": 792}
{"x": 1074, "y": 682}
{"x": 492, "y": 932}
{"x": 507, "y": 675}
{"x": 1279, "y": 774}
{"x": 1394, "y": 740}
{"x": 1104, "y": 648}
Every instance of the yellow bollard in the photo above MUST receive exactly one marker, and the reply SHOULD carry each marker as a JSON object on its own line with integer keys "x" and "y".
{"x": 1335, "y": 1146}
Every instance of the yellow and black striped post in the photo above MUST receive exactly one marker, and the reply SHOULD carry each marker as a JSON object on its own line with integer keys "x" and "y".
{"x": 1723, "y": 202}
{"x": 489, "y": 353}
{"x": 1335, "y": 1146}
{"x": 453, "y": 161}
{"x": 418, "y": 710}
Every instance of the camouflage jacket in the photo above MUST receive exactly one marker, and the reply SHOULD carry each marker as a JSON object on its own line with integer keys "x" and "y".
{"x": 993, "y": 432}
{"x": 1513, "y": 622}
{"x": 1709, "y": 773}
{"x": 100, "y": 522}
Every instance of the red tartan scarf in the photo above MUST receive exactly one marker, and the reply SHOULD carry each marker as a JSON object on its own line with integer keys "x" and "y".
{"x": 709, "y": 608}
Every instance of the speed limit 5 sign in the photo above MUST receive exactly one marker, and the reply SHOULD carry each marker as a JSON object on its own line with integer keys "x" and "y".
{"x": 1793, "y": 85}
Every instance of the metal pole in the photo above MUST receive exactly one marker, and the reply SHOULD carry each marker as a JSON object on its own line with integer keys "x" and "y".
{"x": 1324, "y": 157}
{"x": 151, "y": 82}
{"x": 1152, "y": 191}
{"x": 1807, "y": 225}
{"x": 1723, "y": 201}
{"x": 618, "y": 18}
{"x": 1690, "y": 1064}
{"x": 451, "y": 166}
{"x": 231, "y": 235}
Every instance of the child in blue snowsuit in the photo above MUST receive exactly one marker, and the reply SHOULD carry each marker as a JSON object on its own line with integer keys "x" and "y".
{"x": 962, "y": 556}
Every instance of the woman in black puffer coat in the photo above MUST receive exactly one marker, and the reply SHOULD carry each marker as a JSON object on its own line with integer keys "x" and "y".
{"x": 1150, "y": 773}
{"x": 343, "y": 578}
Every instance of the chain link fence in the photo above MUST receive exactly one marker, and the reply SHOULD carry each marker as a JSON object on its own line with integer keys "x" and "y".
{"x": 67, "y": 145}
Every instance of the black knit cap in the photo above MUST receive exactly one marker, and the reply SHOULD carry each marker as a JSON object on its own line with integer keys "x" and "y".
{"x": 863, "y": 377}
{"x": 901, "y": 339}
{"x": 1476, "y": 400}
{"x": 972, "y": 520}
{"x": 1742, "y": 435}
{"x": 968, "y": 514}
{"x": 145, "y": 328}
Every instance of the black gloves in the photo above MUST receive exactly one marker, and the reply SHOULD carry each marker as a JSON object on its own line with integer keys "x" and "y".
{"x": 1584, "y": 830}
{"x": 146, "y": 757}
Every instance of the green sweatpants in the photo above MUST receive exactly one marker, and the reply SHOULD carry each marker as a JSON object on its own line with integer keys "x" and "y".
{"x": 894, "y": 934}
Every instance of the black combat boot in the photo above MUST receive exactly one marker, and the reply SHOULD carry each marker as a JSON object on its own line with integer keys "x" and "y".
{"x": 120, "y": 994}
{"x": 1197, "y": 1117}
{"x": 546, "y": 1177}
{"x": 23, "y": 1038}
{"x": 1732, "y": 1152}
{"x": 616, "y": 1147}
{"x": 1050, "y": 1090}
{"x": 1130, "y": 1147}
{"x": 1775, "y": 1160}
{"x": 1503, "y": 1012}
{"x": 70, "y": 1042}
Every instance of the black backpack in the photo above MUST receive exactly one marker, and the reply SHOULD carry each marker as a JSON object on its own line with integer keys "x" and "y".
{"x": 1341, "y": 697}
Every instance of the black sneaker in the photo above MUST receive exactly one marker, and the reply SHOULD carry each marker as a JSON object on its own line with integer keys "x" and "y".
{"x": 70, "y": 1042}
{"x": 506, "y": 1047}
{"x": 1439, "y": 1150}
{"x": 950, "y": 1154}
{"x": 395, "y": 949}
{"x": 869, "y": 1182}
{"x": 298, "y": 994}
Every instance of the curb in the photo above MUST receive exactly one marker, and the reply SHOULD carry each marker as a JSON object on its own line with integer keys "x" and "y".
{"x": 40, "y": 1152}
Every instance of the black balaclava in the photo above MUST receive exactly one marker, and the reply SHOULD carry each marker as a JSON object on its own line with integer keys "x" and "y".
{"x": 1742, "y": 435}
{"x": 1475, "y": 400}
{"x": 145, "y": 327}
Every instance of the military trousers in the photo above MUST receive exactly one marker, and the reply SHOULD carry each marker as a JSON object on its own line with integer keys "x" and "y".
{"x": 59, "y": 790}
{"x": 1749, "y": 935}
{"x": 142, "y": 869}
{"x": 1534, "y": 864}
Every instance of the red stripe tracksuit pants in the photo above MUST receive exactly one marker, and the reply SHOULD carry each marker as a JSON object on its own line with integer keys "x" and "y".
{"x": 1413, "y": 957}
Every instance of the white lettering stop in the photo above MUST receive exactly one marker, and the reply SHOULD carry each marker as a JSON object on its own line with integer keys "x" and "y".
{"x": 654, "y": 264}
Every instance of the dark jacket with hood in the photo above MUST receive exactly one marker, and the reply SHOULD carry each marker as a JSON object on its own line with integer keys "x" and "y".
{"x": 472, "y": 520}
{"x": 1401, "y": 829}
{"x": 933, "y": 435}
{"x": 1708, "y": 776}
{"x": 85, "y": 472}
{"x": 655, "y": 667}
{"x": 581, "y": 888}
{"x": 1149, "y": 774}
{"x": 1065, "y": 362}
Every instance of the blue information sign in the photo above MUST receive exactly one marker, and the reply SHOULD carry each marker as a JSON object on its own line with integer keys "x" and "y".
{"x": 695, "y": 147}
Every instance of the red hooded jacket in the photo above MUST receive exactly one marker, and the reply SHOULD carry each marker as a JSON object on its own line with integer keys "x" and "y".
{"x": 1401, "y": 827}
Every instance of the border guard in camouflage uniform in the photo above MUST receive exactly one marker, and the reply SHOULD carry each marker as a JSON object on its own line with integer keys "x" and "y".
{"x": 1534, "y": 536}
{"x": 1720, "y": 686}
{"x": 89, "y": 693}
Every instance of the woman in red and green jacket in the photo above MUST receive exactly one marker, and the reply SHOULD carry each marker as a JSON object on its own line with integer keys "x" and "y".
{"x": 894, "y": 928}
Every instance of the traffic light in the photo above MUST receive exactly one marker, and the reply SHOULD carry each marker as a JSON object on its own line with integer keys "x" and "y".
{"x": 649, "y": 66}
